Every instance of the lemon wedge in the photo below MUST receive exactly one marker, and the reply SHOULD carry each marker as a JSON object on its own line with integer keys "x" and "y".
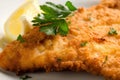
{"x": 20, "y": 21}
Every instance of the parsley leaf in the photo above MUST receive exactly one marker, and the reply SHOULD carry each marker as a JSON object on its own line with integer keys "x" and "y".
{"x": 20, "y": 38}
{"x": 53, "y": 30}
{"x": 83, "y": 44}
{"x": 49, "y": 12}
{"x": 48, "y": 29}
{"x": 53, "y": 19}
{"x": 59, "y": 6}
{"x": 112, "y": 32}
{"x": 106, "y": 58}
{"x": 70, "y": 6}
{"x": 26, "y": 77}
{"x": 59, "y": 59}
{"x": 63, "y": 29}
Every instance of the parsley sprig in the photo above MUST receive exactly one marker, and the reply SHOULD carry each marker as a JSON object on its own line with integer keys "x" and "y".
{"x": 20, "y": 38}
{"x": 112, "y": 32}
{"x": 106, "y": 59}
{"x": 82, "y": 44}
{"x": 53, "y": 18}
{"x": 26, "y": 77}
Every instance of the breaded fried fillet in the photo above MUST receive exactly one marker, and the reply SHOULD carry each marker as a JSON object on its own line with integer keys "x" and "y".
{"x": 111, "y": 3}
{"x": 100, "y": 28}
{"x": 93, "y": 44}
{"x": 39, "y": 52}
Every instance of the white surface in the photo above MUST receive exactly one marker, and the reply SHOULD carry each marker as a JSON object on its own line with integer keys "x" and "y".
{"x": 6, "y": 8}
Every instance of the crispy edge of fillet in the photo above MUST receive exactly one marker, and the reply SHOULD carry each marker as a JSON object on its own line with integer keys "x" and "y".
{"x": 111, "y": 3}
{"x": 101, "y": 55}
{"x": 10, "y": 57}
{"x": 39, "y": 52}
{"x": 92, "y": 25}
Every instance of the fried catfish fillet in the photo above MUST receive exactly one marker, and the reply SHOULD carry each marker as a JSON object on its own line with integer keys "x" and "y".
{"x": 92, "y": 44}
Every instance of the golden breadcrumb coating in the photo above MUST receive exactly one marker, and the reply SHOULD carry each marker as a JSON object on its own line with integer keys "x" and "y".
{"x": 89, "y": 46}
{"x": 101, "y": 55}
{"x": 39, "y": 52}
{"x": 111, "y": 3}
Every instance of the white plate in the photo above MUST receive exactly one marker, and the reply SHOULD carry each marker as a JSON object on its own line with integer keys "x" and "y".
{"x": 7, "y": 7}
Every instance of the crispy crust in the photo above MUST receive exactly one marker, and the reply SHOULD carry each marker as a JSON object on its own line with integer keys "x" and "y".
{"x": 39, "y": 52}
{"x": 100, "y": 44}
{"x": 111, "y": 3}
{"x": 57, "y": 53}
